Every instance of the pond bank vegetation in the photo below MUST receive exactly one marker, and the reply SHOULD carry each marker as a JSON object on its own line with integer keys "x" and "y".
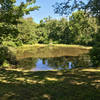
{"x": 54, "y": 45}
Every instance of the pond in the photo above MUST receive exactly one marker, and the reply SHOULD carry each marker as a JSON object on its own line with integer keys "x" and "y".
{"x": 52, "y": 58}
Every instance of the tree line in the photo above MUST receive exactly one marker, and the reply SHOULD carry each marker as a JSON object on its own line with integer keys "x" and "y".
{"x": 78, "y": 29}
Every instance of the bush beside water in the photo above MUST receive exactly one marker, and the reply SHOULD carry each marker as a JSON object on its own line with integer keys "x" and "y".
{"x": 7, "y": 55}
{"x": 95, "y": 56}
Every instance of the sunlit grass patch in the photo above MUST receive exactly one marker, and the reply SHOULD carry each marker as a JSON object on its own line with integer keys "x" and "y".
{"x": 91, "y": 69}
{"x": 54, "y": 45}
{"x": 51, "y": 79}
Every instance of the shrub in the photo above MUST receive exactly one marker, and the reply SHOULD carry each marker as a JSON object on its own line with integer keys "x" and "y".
{"x": 9, "y": 43}
{"x": 6, "y": 54}
{"x": 95, "y": 52}
{"x": 95, "y": 56}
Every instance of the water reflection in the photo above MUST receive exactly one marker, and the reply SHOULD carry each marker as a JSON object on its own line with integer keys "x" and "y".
{"x": 55, "y": 63}
{"x": 27, "y": 63}
{"x": 41, "y": 66}
{"x": 49, "y": 52}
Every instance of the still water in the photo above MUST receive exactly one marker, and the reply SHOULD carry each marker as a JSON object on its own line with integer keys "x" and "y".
{"x": 52, "y": 58}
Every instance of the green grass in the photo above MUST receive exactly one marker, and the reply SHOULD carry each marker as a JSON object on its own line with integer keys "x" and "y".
{"x": 76, "y": 84}
{"x": 54, "y": 45}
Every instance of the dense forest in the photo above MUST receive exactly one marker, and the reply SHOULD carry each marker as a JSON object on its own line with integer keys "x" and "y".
{"x": 79, "y": 29}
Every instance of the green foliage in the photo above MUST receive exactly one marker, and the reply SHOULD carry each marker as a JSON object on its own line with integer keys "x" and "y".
{"x": 10, "y": 13}
{"x": 82, "y": 28}
{"x": 55, "y": 30}
{"x": 9, "y": 43}
{"x": 78, "y": 30}
{"x": 95, "y": 56}
{"x": 7, "y": 55}
{"x": 69, "y": 6}
{"x": 7, "y": 31}
{"x": 27, "y": 29}
{"x": 2, "y": 55}
{"x": 95, "y": 52}
{"x": 93, "y": 9}
{"x": 18, "y": 31}
{"x": 42, "y": 35}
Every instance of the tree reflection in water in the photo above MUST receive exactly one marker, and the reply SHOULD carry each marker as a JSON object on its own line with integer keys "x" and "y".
{"x": 58, "y": 63}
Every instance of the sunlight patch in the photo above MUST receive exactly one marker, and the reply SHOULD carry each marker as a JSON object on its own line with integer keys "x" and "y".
{"x": 27, "y": 80}
{"x": 20, "y": 79}
{"x": 4, "y": 81}
{"x": 41, "y": 82}
{"x": 46, "y": 96}
{"x": 59, "y": 73}
{"x": 91, "y": 70}
{"x": 51, "y": 79}
{"x": 97, "y": 81}
{"x": 77, "y": 83}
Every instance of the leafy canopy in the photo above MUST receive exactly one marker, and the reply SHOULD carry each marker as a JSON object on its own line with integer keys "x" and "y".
{"x": 68, "y": 6}
{"x": 10, "y": 11}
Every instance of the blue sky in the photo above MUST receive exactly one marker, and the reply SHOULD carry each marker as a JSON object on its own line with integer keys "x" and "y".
{"x": 45, "y": 10}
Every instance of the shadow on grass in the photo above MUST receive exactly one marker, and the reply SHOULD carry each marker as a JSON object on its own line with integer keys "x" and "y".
{"x": 49, "y": 85}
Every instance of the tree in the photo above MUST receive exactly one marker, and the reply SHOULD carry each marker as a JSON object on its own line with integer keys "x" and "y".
{"x": 10, "y": 13}
{"x": 69, "y": 6}
{"x": 82, "y": 28}
{"x": 57, "y": 30}
{"x": 93, "y": 8}
{"x": 27, "y": 29}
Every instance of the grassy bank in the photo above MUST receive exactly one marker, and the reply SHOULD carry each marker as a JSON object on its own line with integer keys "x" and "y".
{"x": 77, "y": 84}
{"x": 54, "y": 45}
